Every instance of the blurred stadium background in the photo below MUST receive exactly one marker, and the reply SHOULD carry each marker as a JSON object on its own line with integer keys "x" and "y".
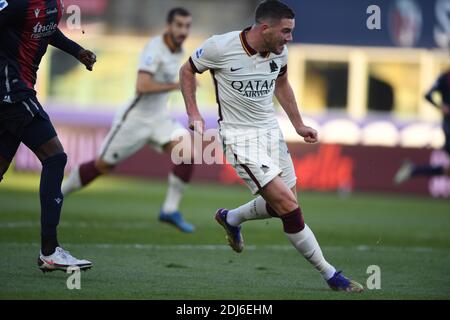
{"x": 362, "y": 89}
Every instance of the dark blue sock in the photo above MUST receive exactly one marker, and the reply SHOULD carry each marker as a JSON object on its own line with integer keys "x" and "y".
{"x": 427, "y": 171}
{"x": 51, "y": 200}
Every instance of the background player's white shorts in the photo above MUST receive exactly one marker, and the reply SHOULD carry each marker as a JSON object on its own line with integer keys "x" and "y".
{"x": 132, "y": 130}
{"x": 260, "y": 158}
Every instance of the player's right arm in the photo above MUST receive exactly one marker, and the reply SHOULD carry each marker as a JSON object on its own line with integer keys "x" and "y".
{"x": 189, "y": 89}
{"x": 206, "y": 57}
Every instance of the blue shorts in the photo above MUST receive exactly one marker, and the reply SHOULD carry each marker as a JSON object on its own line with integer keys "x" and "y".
{"x": 26, "y": 122}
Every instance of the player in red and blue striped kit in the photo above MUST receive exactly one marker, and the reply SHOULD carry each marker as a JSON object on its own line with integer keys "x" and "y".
{"x": 27, "y": 27}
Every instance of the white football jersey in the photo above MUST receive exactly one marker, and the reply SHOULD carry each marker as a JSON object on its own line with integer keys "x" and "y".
{"x": 164, "y": 64}
{"x": 244, "y": 79}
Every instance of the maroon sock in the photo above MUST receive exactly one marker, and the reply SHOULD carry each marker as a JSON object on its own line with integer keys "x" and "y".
{"x": 271, "y": 212}
{"x": 183, "y": 172}
{"x": 293, "y": 222}
{"x": 88, "y": 172}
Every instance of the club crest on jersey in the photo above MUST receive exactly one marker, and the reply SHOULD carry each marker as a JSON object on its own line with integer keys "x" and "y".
{"x": 199, "y": 53}
{"x": 3, "y": 4}
{"x": 273, "y": 66}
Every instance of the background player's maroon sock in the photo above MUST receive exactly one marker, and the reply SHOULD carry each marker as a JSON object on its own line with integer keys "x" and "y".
{"x": 88, "y": 172}
{"x": 51, "y": 200}
{"x": 183, "y": 171}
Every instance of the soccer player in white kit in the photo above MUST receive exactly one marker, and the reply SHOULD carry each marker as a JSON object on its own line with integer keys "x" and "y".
{"x": 147, "y": 121}
{"x": 248, "y": 68}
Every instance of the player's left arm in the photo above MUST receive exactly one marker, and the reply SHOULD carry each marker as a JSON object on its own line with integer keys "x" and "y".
{"x": 429, "y": 94}
{"x": 439, "y": 86}
{"x": 207, "y": 57}
{"x": 286, "y": 98}
{"x": 86, "y": 57}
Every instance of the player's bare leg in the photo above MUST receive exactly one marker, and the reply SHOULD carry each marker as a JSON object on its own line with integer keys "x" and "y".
{"x": 278, "y": 200}
{"x": 256, "y": 209}
{"x": 178, "y": 179}
{"x": 52, "y": 256}
{"x": 84, "y": 174}
{"x": 283, "y": 201}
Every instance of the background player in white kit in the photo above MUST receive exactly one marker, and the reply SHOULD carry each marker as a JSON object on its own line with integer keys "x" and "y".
{"x": 248, "y": 68}
{"x": 147, "y": 121}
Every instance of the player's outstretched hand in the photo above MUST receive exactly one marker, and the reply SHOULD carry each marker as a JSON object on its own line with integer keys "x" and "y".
{"x": 88, "y": 58}
{"x": 309, "y": 134}
{"x": 197, "y": 124}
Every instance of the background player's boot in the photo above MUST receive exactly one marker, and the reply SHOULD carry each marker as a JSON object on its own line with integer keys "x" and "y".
{"x": 234, "y": 235}
{"x": 61, "y": 260}
{"x": 340, "y": 283}
{"x": 404, "y": 172}
{"x": 177, "y": 220}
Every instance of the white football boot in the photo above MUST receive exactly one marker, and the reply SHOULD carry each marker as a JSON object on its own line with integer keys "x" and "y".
{"x": 61, "y": 260}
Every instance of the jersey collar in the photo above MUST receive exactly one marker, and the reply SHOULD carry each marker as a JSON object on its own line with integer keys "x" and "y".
{"x": 247, "y": 48}
{"x": 169, "y": 43}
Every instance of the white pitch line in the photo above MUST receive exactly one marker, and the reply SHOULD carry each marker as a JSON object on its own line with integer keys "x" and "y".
{"x": 213, "y": 247}
{"x": 128, "y": 226}
{"x": 36, "y": 224}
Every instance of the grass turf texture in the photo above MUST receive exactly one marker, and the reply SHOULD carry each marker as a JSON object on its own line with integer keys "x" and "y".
{"x": 114, "y": 223}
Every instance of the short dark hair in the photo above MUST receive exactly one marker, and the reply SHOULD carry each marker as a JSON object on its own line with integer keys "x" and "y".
{"x": 274, "y": 10}
{"x": 179, "y": 11}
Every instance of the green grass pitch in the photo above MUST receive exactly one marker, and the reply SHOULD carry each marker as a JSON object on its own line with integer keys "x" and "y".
{"x": 114, "y": 223}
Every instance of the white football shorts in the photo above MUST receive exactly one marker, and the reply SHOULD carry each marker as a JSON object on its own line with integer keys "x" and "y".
{"x": 259, "y": 158}
{"x": 131, "y": 130}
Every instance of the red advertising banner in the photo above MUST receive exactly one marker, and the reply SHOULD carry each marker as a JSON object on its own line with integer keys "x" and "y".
{"x": 320, "y": 167}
